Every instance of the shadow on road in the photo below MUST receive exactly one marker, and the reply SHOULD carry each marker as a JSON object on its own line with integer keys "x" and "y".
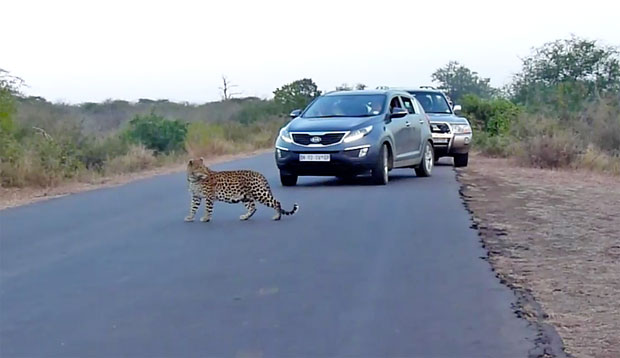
{"x": 444, "y": 162}
{"x": 357, "y": 181}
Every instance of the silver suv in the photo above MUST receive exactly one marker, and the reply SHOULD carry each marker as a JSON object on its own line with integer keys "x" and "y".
{"x": 452, "y": 134}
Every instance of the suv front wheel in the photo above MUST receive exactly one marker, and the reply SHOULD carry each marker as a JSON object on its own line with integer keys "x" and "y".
{"x": 460, "y": 160}
{"x": 426, "y": 165}
{"x": 380, "y": 171}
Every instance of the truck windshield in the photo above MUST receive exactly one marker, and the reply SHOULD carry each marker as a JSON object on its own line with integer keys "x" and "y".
{"x": 432, "y": 102}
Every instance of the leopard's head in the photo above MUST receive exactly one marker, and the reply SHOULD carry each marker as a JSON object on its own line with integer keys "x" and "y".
{"x": 196, "y": 169}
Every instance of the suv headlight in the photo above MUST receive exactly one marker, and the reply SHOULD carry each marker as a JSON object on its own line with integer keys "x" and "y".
{"x": 461, "y": 129}
{"x": 357, "y": 134}
{"x": 285, "y": 135}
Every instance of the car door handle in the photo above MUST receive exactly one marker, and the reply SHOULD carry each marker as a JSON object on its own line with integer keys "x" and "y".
{"x": 421, "y": 121}
{"x": 407, "y": 124}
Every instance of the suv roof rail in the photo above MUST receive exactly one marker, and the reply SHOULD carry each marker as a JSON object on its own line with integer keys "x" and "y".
{"x": 428, "y": 87}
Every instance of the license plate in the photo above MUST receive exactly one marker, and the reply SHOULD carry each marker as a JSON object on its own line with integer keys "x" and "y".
{"x": 441, "y": 140}
{"x": 314, "y": 157}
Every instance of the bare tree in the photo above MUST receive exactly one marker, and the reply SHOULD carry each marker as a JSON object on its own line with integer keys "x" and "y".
{"x": 43, "y": 133}
{"x": 227, "y": 89}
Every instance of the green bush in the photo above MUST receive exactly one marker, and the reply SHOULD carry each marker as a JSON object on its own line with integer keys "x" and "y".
{"x": 494, "y": 116}
{"x": 157, "y": 133}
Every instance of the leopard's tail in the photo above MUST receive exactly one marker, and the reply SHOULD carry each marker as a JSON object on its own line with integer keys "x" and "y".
{"x": 295, "y": 208}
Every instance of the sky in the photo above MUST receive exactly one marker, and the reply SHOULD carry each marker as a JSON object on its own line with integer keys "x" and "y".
{"x": 82, "y": 51}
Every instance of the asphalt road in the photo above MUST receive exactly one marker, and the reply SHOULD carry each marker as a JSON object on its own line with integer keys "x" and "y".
{"x": 360, "y": 270}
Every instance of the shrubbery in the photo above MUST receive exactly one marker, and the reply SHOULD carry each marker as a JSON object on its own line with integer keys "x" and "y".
{"x": 562, "y": 109}
{"x": 494, "y": 117}
{"x": 209, "y": 139}
{"x": 157, "y": 133}
{"x": 45, "y": 144}
{"x": 546, "y": 140}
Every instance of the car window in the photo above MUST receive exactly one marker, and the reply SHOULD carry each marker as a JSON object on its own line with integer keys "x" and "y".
{"x": 408, "y": 105}
{"x": 418, "y": 106}
{"x": 395, "y": 102}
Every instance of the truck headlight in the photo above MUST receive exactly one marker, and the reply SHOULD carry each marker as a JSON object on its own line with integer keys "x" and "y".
{"x": 357, "y": 134}
{"x": 461, "y": 129}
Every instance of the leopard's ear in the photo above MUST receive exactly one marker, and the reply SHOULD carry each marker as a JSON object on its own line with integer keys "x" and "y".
{"x": 202, "y": 160}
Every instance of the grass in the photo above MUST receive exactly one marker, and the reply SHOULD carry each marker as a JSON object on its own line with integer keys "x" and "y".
{"x": 212, "y": 139}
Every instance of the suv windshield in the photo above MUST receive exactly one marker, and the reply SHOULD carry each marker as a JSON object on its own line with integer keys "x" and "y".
{"x": 432, "y": 102}
{"x": 362, "y": 105}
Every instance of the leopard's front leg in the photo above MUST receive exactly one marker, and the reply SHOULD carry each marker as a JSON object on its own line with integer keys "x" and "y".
{"x": 195, "y": 203}
{"x": 208, "y": 210}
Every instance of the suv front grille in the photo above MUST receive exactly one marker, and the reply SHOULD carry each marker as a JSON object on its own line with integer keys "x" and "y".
{"x": 325, "y": 139}
{"x": 440, "y": 128}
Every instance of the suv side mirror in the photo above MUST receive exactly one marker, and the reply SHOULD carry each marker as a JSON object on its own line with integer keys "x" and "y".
{"x": 456, "y": 108}
{"x": 295, "y": 113}
{"x": 398, "y": 112}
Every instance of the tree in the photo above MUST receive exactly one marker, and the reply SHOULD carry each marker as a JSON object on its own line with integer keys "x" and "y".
{"x": 360, "y": 86}
{"x": 227, "y": 88}
{"x": 9, "y": 147}
{"x": 9, "y": 86}
{"x": 458, "y": 80}
{"x": 296, "y": 95}
{"x": 564, "y": 71}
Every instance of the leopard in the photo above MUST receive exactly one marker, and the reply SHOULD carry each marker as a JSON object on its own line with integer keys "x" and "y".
{"x": 231, "y": 186}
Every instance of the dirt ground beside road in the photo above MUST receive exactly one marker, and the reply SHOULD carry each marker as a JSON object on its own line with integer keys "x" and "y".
{"x": 553, "y": 236}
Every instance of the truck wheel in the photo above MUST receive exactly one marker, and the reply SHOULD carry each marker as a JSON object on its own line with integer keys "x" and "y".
{"x": 460, "y": 160}
{"x": 426, "y": 165}
{"x": 380, "y": 171}
{"x": 288, "y": 179}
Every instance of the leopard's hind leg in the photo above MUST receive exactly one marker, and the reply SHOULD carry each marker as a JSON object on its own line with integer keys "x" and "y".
{"x": 267, "y": 199}
{"x": 251, "y": 206}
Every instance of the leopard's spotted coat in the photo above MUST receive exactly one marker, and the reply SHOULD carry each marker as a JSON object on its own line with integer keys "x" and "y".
{"x": 236, "y": 186}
